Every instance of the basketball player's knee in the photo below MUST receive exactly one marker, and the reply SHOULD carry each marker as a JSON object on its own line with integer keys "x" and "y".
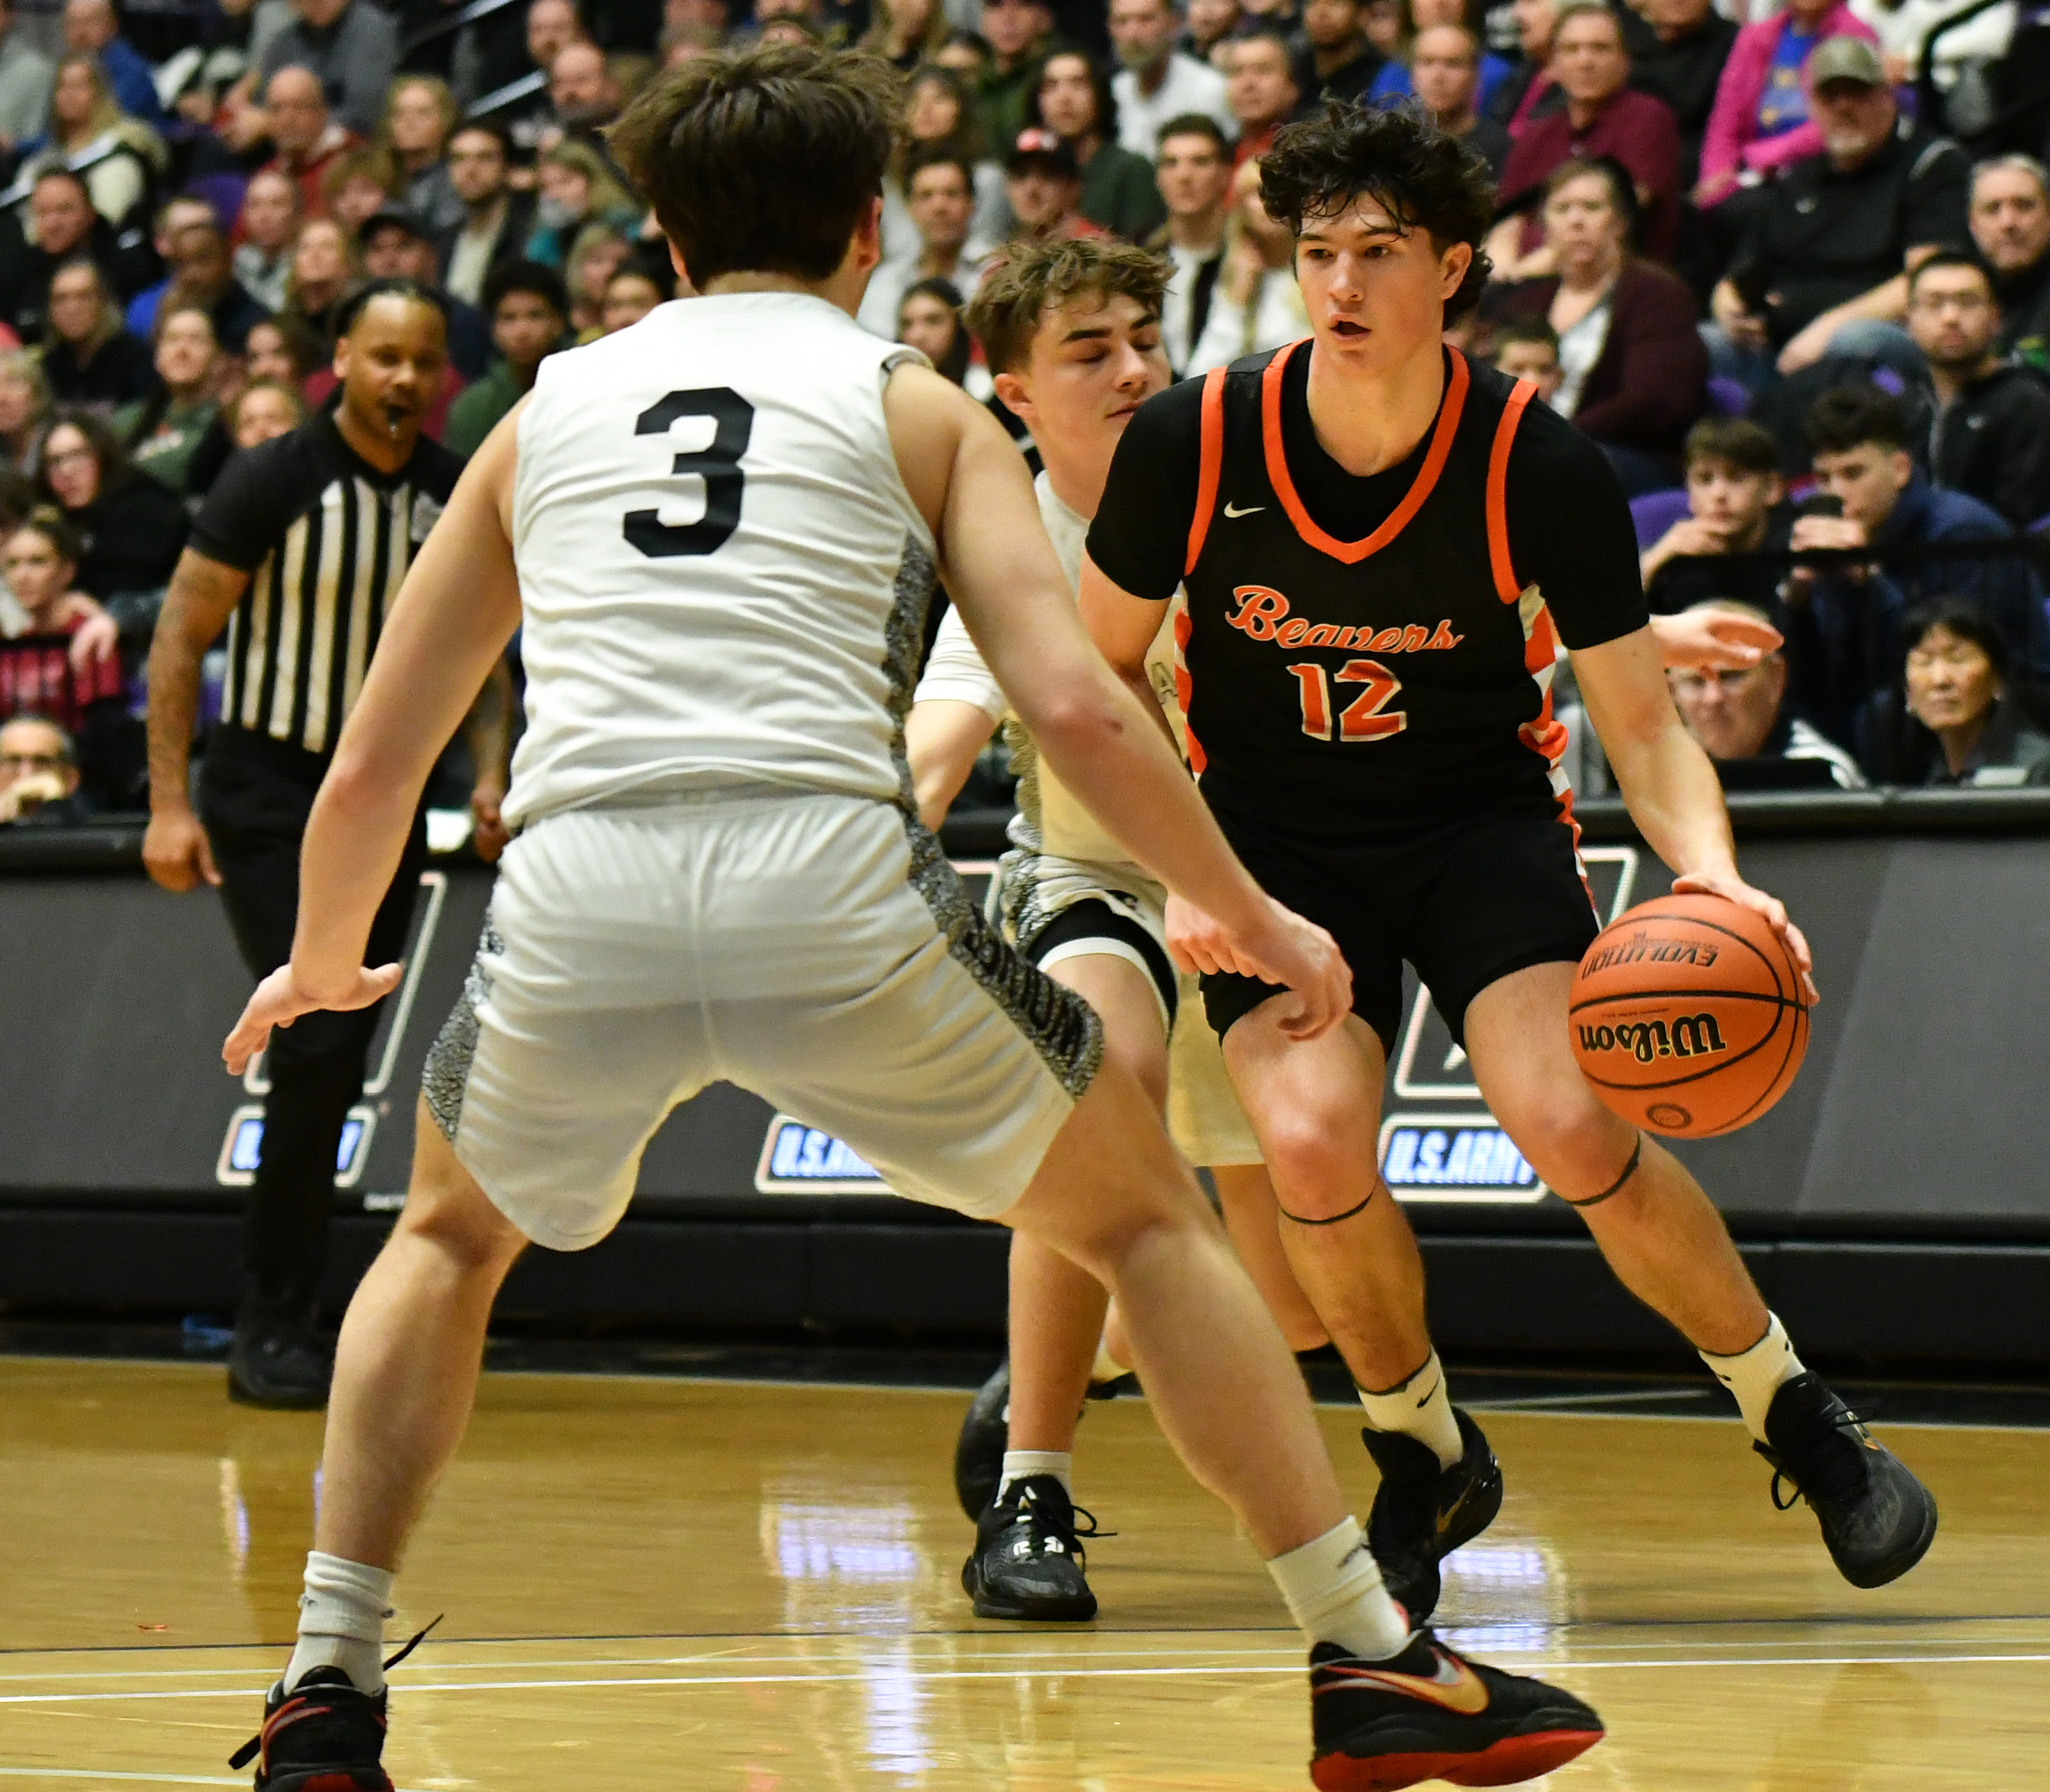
{"x": 1317, "y": 1161}
{"x": 1576, "y": 1145}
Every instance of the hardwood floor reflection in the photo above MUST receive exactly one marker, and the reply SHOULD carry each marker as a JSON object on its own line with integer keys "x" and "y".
{"x": 754, "y": 1588}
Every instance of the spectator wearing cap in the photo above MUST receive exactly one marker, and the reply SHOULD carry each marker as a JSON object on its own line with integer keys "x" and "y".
{"x": 1823, "y": 268}
{"x": 307, "y": 140}
{"x": 25, "y": 78}
{"x": 1156, "y": 82}
{"x": 1678, "y": 49}
{"x": 496, "y": 221}
{"x": 1261, "y": 84}
{"x": 1763, "y": 120}
{"x": 1017, "y": 31}
{"x": 1988, "y": 420}
{"x": 529, "y": 310}
{"x": 395, "y": 247}
{"x": 1073, "y": 101}
{"x": 351, "y": 46}
{"x": 39, "y": 777}
{"x": 1844, "y": 628}
{"x": 2010, "y": 225}
{"x": 939, "y": 189}
{"x": 1044, "y": 188}
{"x": 92, "y": 29}
{"x": 1602, "y": 118}
{"x": 1741, "y": 719}
{"x": 1445, "y": 76}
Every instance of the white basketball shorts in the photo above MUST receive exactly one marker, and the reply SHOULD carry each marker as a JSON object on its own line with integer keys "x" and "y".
{"x": 815, "y": 949}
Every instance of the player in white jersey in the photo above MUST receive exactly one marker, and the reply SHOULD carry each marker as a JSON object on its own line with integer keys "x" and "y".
{"x": 720, "y": 528}
{"x": 1072, "y": 332}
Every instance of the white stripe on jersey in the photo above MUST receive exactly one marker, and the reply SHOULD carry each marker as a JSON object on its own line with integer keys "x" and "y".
{"x": 722, "y": 575}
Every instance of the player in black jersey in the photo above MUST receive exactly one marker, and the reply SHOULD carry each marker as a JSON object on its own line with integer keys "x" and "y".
{"x": 1383, "y": 545}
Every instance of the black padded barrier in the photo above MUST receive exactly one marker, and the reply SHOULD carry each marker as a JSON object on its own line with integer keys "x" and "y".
{"x": 1896, "y": 1203}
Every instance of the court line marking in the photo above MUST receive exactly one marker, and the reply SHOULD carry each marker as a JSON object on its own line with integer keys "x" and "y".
{"x": 1079, "y": 1673}
{"x": 103, "y": 1774}
{"x": 1477, "y": 1629}
{"x": 1538, "y": 1402}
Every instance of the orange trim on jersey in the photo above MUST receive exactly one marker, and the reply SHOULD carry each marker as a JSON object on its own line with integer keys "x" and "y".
{"x": 1353, "y": 552}
{"x": 1506, "y": 586}
{"x": 1184, "y": 685}
{"x": 1211, "y": 467}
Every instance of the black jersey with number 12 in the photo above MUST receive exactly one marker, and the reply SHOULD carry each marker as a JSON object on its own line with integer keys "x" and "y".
{"x": 1371, "y": 655}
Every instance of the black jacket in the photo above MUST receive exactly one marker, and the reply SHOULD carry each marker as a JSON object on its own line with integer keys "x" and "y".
{"x": 122, "y": 370}
{"x": 510, "y": 244}
{"x": 1992, "y": 442}
{"x": 133, "y": 534}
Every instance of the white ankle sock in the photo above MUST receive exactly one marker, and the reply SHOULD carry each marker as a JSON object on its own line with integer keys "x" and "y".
{"x": 1333, "y": 1591}
{"x": 341, "y": 1622}
{"x": 1419, "y": 1407}
{"x": 1755, "y": 1375}
{"x": 1019, "y": 1463}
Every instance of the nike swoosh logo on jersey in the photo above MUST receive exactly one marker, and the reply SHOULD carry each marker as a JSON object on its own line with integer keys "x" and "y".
{"x": 1234, "y": 512}
{"x": 1454, "y": 1686}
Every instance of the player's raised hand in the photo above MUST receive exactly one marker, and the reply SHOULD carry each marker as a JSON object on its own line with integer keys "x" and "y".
{"x": 279, "y": 1001}
{"x": 1769, "y": 908}
{"x": 1713, "y": 640}
{"x": 1279, "y": 947}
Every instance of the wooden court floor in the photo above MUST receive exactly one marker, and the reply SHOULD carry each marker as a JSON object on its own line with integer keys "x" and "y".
{"x": 749, "y": 1587}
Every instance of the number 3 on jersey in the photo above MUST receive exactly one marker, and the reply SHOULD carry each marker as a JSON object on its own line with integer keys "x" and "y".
{"x": 718, "y": 466}
{"x": 1362, "y": 719}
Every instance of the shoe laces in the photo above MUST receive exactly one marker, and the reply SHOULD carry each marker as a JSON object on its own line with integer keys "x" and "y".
{"x": 250, "y": 1749}
{"x": 1837, "y": 1472}
{"x": 1031, "y": 1510}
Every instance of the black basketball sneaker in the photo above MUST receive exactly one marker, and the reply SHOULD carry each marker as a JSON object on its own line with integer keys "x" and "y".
{"x": 321, "y": 1736}
{"x": 1429, "y": 1713}
{"x": 1028, "y": 1562}
{"x": 985, "y": 1434}
{"x": 1877, "y": 1520}
{"x": 1422, "y": 1513}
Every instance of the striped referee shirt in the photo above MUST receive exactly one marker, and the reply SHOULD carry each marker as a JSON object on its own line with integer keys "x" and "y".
{"x": 326, "y": 539}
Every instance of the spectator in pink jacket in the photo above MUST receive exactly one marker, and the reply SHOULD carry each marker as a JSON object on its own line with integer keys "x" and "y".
{"x": 1760, "y": 122}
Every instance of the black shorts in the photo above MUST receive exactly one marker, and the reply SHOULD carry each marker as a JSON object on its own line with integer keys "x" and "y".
{"x": 1467, "y": 903}
{"x": 1092, "y": 918}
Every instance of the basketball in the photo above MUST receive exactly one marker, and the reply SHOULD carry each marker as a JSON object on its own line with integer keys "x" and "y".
{"x": 1688, "y": 1017}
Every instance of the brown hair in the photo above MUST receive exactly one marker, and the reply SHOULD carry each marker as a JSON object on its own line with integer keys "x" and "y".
{"x": 54, "y": 527}
{"x": 1015, "y": 295}
{"x": 764, "y": 162}
{"x": 1735, "y": 441}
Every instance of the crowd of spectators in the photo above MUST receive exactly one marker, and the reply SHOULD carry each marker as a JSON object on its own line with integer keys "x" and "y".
{"x": 1742, "y": 248}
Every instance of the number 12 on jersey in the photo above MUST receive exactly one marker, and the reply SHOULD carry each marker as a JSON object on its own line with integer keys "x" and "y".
{"x": 1362, "y": 719}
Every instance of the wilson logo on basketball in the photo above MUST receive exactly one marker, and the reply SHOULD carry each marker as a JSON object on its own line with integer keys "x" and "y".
{"x": 1640, "y": 949}
{"x": 1261, "y": 610}
{"x": 1690, "y": 1036}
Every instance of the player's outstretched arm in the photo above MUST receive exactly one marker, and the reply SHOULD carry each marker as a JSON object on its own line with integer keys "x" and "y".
{"x": 453, "y": 617}
{"x": 967, "y": 478}
{"x": 1713, "y": 640}
{"x": 1667, "y": 780}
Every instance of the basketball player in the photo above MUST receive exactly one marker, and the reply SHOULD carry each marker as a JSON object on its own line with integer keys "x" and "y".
{"x": 718, "y": 529}
{"x": 1381, "y": 545}
{"x": 1072, "y": 332}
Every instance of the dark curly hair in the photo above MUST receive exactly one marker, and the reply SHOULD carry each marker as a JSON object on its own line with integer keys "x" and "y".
{"x": 1428, "y": 180}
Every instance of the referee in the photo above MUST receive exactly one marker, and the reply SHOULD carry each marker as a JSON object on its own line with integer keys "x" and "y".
{"x": 302, "y": 544}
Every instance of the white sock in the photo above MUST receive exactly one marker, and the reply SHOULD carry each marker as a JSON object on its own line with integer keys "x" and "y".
{"x": 1419, "y": 1407}
{"x": 1106, "y": 1367}
{"x": 1333, "y": 1591}
{"x": 341, "y": 1622}
{"x": 1019, "y": 1463}
{"x": 1755, "y": 1375}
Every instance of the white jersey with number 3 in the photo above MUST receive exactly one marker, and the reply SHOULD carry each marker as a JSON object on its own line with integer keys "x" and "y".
{"x": 723, "y": 577}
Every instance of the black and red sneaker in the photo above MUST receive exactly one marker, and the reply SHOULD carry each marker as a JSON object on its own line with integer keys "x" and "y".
{"x": 321, "y": 1736}
{"x": 1429, "y": 1713}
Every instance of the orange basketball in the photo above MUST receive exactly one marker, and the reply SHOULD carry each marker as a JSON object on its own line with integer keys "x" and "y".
{"x": 1688, "y": 1017}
